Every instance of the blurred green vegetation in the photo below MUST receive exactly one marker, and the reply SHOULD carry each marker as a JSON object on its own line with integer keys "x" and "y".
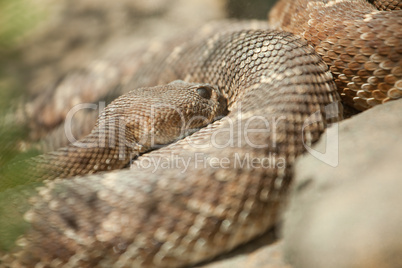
{"x": 17, "y": 18}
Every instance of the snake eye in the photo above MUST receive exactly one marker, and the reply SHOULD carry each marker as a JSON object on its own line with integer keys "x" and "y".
{"x": 205, "y": 92}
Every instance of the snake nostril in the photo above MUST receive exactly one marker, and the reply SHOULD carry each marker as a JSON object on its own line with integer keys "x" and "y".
{"x": 205, "y": 92}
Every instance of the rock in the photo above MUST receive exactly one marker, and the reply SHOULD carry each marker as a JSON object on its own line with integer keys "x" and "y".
{"x": 263, "y": 252}
{"x": 350, "y": 215}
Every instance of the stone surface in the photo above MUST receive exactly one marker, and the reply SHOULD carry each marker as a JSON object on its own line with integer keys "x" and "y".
{"x": 263, "y": 252}
{"x": 350, "y": 215}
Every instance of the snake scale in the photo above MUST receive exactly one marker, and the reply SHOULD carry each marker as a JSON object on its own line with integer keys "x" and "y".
{"x": 280, "y": 96}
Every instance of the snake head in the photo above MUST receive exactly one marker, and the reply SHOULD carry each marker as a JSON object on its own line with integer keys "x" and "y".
{"x": 162, "y": 114}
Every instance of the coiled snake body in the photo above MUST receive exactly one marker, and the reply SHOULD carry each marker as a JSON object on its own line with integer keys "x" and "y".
{"x": 224, "y": 184}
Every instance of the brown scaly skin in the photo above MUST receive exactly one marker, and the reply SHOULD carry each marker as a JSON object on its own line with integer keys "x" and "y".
{"x": 173, "y": 217}
{"x": 362, "y": 46}
{"x": 387, "y": 4}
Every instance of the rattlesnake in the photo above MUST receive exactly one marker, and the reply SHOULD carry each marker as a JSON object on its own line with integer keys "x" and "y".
{"x": 280, "y": 96}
